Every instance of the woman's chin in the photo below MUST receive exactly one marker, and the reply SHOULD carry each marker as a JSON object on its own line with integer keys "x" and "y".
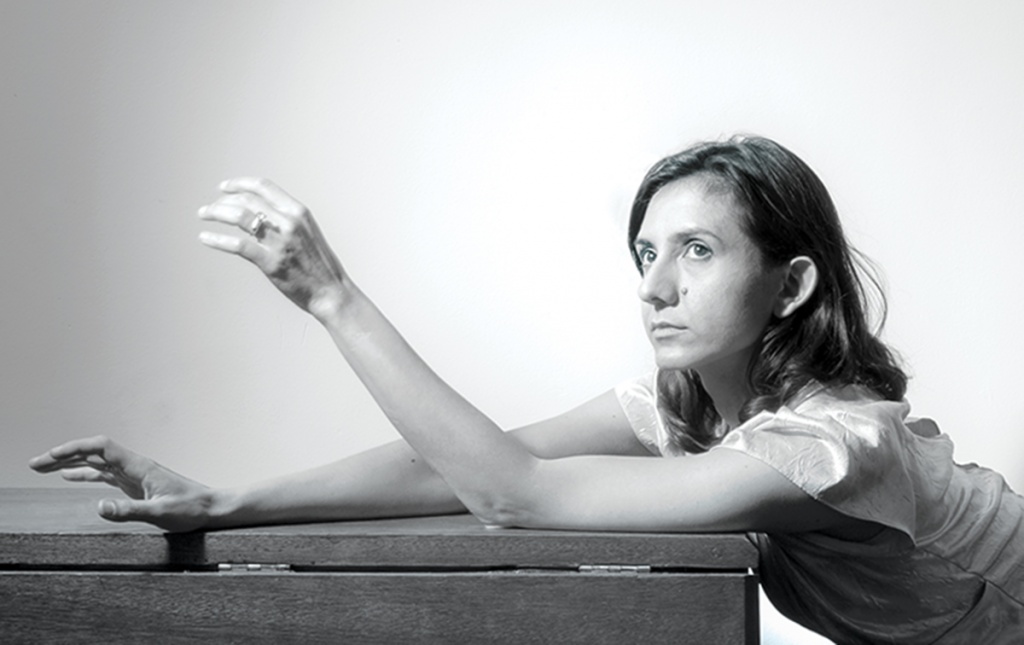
{"x": 672, "y": 360}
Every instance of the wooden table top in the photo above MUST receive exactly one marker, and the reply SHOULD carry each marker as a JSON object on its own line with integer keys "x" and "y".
{"x": 59, "y": 527}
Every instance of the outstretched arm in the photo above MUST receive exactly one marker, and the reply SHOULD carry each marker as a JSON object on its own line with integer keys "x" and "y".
{"x": 395, "y": 481}
{"x": 388, "y": 481}
{"x": 492, "y": 474}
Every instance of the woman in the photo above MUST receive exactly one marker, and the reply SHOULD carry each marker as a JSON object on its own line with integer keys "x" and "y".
{"x": 787, "y": 410}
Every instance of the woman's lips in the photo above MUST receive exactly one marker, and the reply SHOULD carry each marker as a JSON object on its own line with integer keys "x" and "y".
{"x": 660, "y": 329}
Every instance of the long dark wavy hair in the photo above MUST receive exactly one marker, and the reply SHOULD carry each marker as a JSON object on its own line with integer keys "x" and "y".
{"x": 787, "y": 212}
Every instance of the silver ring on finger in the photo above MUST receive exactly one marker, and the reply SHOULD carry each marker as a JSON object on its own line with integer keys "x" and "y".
{"x": 258, "y": 227}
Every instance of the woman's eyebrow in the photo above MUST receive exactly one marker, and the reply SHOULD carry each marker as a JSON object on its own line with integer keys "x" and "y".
{"x": 696, "y": 231}
{"x": 681, "y": 235}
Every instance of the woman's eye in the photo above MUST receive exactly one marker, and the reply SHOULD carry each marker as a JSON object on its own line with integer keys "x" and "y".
{"x": 647, "y": 257}
{"x": 697, "y": 251}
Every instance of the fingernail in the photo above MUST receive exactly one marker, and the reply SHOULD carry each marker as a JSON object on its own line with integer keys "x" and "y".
{"x": 107, "y": 508}
{"x": 223, "y": 185}
{"x": 201, "y": 211}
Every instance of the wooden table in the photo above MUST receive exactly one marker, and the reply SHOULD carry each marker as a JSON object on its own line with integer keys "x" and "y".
{"x": 68, "y": 576}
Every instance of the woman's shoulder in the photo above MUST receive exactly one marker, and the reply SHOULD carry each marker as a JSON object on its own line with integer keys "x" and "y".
{"x": 854, "y": 412}
{"x": 847, "y": 447}
{"x": 852, "y": 424}
{"x": 848, "y": 417}
{"x": 847, "y": 402}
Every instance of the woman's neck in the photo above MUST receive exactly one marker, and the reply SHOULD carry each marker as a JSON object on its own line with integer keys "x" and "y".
{"x": 727, "y": 403}
{"x": 728, "y": 390}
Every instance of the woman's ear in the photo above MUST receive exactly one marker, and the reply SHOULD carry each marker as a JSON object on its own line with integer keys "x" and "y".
{"x": 798, "y": 286}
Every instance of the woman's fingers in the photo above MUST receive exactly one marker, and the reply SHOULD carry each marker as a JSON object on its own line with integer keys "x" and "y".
{"x": 267, "y": 190}
{"x": 248, "y": 248}
{"x": 250, "y": 213}
{"x": 232, "y": 214}
{"x": 252, "y": 218}
{"x": 240, "y": 209}
{"x": 281, "y": 238}
{"x": 75, "y": 448}
{"x": 96, "y": 459}
{"x": 162, "y": 512}
{"x": 158, "y": 496}
{"x": 90, "y": 475}
{"x": 93, "y": 451}
{"x": 129, "y": 510}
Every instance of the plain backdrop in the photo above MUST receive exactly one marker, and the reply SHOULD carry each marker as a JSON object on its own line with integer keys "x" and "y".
{"x": 473, "y": 164}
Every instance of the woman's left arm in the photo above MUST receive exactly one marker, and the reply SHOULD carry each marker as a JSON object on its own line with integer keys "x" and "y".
{"x": 494, "y": 475}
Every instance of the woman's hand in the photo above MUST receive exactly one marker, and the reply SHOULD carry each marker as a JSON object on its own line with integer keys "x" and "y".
{"x": 158, "y": 495}
{"x": 281, "y": 238}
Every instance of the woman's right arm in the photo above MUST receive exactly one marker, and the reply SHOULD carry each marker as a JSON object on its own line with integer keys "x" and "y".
{"x": 387, "y": 481}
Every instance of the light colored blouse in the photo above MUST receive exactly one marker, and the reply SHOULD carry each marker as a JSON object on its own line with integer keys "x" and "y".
{"x": 947, "y": 568}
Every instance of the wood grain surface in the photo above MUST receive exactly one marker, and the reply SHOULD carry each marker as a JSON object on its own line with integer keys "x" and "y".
{"x": 510, "y": 607}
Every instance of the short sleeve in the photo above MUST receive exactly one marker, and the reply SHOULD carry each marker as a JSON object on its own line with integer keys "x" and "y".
{"x": 639, "y": 401}
{"x": 851, "y": 458}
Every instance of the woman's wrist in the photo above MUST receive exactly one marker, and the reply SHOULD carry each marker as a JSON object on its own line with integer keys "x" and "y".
{"x": 221, "y": 509}
{"x": 331, "y": 304}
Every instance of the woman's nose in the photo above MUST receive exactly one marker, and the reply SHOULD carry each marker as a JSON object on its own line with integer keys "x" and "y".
{"x": 659, "y": 285}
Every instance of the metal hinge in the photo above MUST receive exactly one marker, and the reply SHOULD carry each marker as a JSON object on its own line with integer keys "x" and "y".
{"x": 615, "y": 568}
{"x": 252, "y": 567}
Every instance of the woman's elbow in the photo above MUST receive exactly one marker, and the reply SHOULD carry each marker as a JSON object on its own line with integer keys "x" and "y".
{"x": 511, "y": 501}
{"x": 497, "y": 513}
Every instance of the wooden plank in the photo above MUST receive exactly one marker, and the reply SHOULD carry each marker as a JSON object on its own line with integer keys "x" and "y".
{"x": 503, "y": 607}
{"x": 59, "y": 527}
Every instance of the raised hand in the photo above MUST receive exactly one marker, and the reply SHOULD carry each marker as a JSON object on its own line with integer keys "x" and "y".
{"x": 158, "y": 495}
{"x": 281, "y": 238}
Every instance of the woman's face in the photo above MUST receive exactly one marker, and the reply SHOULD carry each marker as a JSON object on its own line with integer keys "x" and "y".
{"x": 706, "y": 294}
